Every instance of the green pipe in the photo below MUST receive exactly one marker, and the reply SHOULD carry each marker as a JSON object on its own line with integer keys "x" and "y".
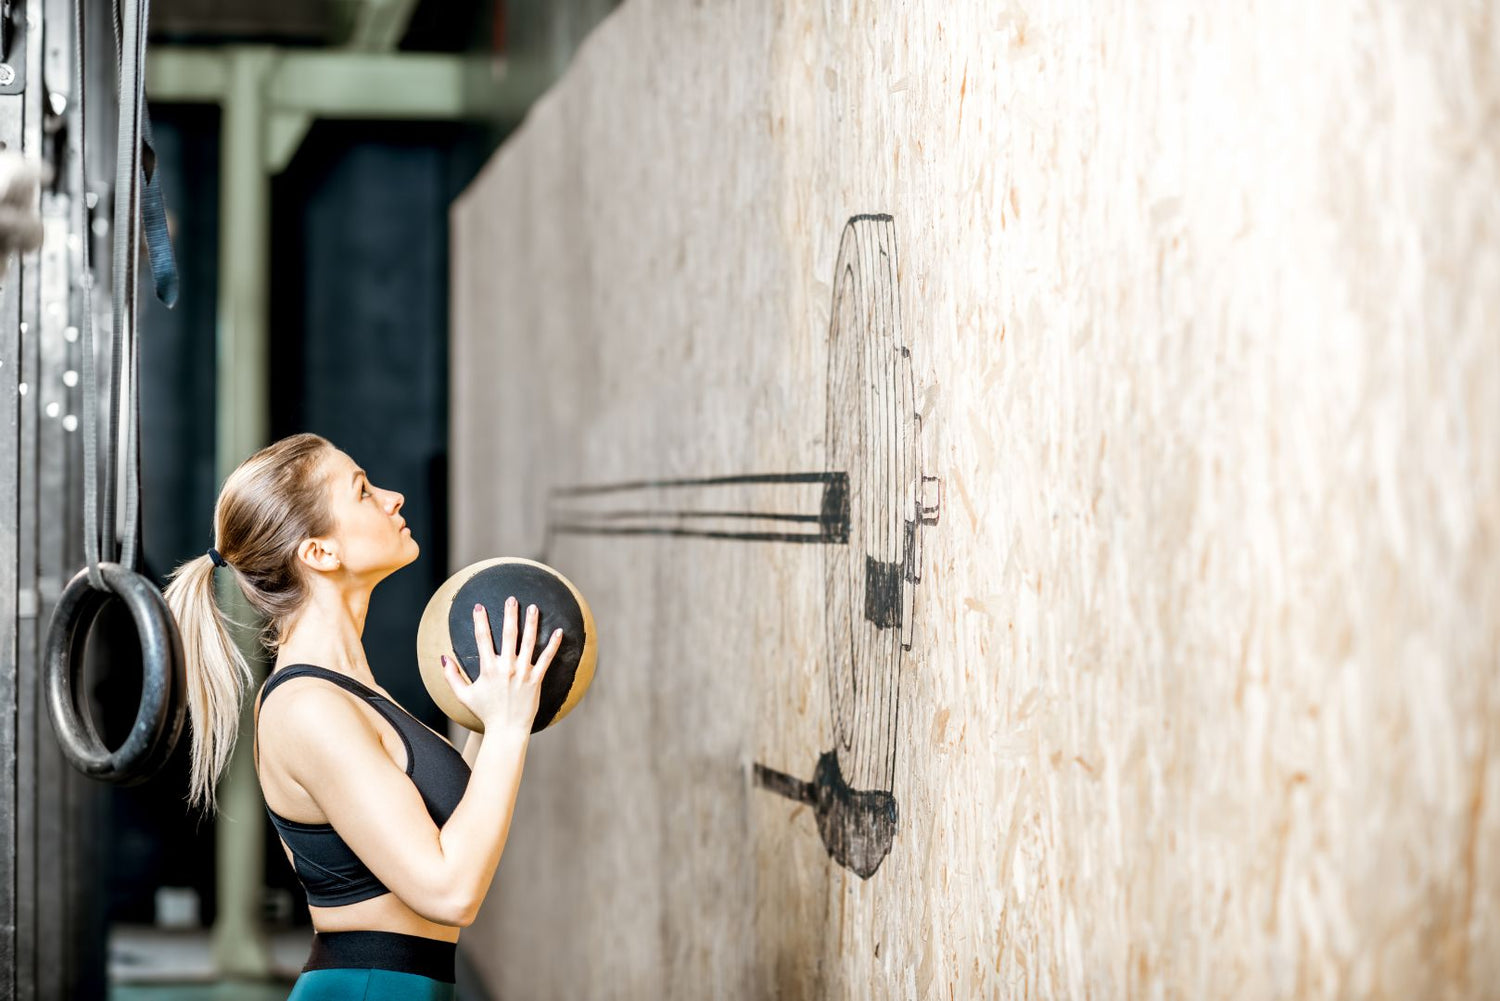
{"x": 241, "y": 948}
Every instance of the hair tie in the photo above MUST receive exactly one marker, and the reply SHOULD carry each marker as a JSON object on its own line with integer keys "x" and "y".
{"x": 219, "y": 561}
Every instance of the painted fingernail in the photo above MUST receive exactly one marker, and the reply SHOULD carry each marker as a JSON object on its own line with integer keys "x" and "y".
{"x": 478, "y": 607}
{"x": 445, "y": 661}
{"x": 511, "y": 601}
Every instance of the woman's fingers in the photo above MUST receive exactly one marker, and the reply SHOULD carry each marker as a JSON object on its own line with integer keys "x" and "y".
{"x": 457, "y": 679}
{"x": 482, "y": 635}
{"x": 528, "y": 638}
{"x": 519, "y": 663}
{"x": 550, "y": 651}
{"x": 532, "y": 673}
{"x": 508, "y": 631}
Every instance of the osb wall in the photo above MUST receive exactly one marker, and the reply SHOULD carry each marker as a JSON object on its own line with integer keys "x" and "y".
{"x": 1184, "y": 319}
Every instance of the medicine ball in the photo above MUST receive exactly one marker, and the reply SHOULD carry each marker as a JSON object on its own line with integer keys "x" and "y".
{"x": 447, "y": 627}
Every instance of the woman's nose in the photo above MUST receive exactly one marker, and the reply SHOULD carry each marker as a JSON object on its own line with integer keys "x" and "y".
{"x": 399, "y": 500}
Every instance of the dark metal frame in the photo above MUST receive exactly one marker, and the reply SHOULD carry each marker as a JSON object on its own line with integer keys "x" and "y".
{"x": 52, "y": 923}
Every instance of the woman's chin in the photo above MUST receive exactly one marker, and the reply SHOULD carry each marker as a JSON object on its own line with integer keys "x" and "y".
{"x": 406, "y": 558}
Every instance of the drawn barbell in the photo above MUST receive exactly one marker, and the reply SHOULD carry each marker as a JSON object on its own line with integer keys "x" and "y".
{"x": 867, "y": 511}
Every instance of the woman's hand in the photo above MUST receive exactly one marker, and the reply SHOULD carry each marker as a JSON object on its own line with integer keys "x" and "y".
{"x": 506, "y": 693}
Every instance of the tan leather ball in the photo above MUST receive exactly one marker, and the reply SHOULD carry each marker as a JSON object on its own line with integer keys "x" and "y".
{"x": 447, "y": 627}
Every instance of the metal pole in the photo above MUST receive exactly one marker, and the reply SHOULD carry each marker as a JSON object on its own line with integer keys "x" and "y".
{"x": 241, "y": 948}
{"x": 11, "y": 894}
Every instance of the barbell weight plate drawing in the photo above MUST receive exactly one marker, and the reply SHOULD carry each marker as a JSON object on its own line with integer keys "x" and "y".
{"x": 866, "y": 511}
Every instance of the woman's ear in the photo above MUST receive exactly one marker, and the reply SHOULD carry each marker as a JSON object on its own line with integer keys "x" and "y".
{"x": 318, "y": 554}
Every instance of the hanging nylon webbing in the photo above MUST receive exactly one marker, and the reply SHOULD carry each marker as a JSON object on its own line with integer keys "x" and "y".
{"x": 154, "y": 216}
{"x": 91, "y": 541}
{"x": 137, "y": 192}
{"x": 153, "y": 207}
{"x": 161, "y": 714}
{"x": 131, "y": 39}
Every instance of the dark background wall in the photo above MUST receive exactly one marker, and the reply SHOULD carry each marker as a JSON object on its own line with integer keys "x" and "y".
{"x": 358, "y": 355}
{"x": 359, "y": 334}
{"x": 359, "y": 294}
{"x": 154, "y": 842}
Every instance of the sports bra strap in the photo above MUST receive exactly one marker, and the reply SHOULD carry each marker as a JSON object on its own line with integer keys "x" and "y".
{"x": 303, "y": 670}
{"x": 299, "y": 670}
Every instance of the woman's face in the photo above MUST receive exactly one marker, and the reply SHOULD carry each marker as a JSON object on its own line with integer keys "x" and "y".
{"x": 370, "y": 531}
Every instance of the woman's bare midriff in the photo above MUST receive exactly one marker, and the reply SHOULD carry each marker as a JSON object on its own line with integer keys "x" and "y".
{"x": 383, "y": 913}
{"x": 286, "y": 797}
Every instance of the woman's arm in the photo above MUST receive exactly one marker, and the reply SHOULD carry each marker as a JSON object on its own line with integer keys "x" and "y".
{"x": 505, "y": 697}
{"x": 328, "y": 747}
{"x": 475, "y": 835}
{"x": 471, "y": 749}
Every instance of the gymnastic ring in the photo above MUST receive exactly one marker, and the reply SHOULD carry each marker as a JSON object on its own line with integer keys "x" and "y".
{"x": 158, "y": 720}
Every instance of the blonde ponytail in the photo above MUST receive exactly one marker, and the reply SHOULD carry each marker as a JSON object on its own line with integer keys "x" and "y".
{"x": 217, "y": 676}
{"x": 269, "y": 504}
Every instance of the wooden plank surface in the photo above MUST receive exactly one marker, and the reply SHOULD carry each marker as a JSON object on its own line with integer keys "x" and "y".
{"x": 1201, "y": 696}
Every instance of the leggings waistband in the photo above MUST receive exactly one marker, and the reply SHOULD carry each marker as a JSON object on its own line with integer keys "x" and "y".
{"x": 383, "y": 950}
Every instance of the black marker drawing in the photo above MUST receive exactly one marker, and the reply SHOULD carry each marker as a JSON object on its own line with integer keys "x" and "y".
{"x": 831, "y": 519}
{"x": 867, "y": 511}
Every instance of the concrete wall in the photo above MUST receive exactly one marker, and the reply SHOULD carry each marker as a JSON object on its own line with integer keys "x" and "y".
{"x": 1154, "y": 632}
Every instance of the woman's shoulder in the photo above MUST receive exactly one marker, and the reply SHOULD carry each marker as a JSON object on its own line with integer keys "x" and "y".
{"x": 308, "y": 728}
{"x": 306, "y": 701}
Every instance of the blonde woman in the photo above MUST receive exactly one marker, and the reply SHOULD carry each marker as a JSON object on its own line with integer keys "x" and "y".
{"x": 394, "y": 835}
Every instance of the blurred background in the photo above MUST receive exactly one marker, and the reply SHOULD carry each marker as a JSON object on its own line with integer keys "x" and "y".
{"x": 357, "y": 211}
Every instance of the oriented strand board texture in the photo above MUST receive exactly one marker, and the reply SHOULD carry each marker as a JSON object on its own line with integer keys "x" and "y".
{"x": 1201, "y": 305}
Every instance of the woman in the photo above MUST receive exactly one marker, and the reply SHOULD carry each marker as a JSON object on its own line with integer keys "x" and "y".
{"x": 394, "y": 837}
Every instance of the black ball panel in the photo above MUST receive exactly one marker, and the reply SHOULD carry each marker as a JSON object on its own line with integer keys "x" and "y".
{"x": 556, "y": 609}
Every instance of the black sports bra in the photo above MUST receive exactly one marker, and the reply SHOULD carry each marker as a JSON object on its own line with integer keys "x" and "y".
{"x": 329, "y": 870}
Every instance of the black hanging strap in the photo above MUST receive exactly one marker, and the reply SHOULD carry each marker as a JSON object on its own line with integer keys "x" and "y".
{"x": 154, "y": 212}
{"x": 161, "y": 715}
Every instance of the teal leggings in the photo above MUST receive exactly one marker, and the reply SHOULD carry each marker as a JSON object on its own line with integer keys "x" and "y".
{"x": 376, "y": 966}
{"x": 368, "y": 985}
